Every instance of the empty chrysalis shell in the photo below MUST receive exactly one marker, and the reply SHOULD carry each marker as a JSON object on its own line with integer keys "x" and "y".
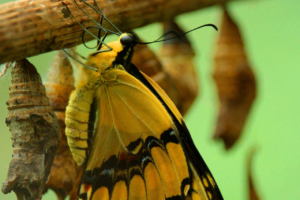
{"x": 34, "y": 132}
{"x": 60, "y": 81}
{"x": 235, "y": 82}
{"x": 146, "y": 60}
{"x": 173, "y": 69}
{"x": 149, "y": 63}
{"x": 59, "y": 85}
{"x": 177, "y": 58}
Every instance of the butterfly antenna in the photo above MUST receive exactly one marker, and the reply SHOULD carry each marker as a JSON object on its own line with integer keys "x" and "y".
{"x": 178, "y": 35}
{"x": 167, "y": 33}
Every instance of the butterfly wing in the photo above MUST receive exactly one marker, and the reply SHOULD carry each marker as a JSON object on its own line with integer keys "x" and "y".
{"x": 199, "y": 168}
{"x": 136, "y": 152}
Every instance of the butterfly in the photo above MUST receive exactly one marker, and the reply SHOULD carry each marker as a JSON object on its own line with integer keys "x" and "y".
{"x": 140, "y": 148}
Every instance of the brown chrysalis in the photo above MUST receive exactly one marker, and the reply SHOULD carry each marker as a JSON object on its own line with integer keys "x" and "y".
{"x": 34, "y": 133}
{"x": 235, "y": 83}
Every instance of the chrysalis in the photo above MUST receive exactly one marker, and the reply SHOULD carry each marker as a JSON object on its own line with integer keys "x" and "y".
{"x": 34, "y": 132}
{"x": 177, "y": 57}
{"x": 59, "y": 85}
{"x": 163, "y": 74}
{"x": 235, "y": 83}
{"x": 146, "y": 60}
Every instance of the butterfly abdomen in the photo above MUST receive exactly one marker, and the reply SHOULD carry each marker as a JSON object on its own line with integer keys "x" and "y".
{"x": 77, "y": 122}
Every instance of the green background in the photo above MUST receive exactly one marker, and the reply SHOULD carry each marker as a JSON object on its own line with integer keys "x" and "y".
{"x": 271, "y": 33}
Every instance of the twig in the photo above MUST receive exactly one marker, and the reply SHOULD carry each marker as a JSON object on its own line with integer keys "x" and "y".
{"x": 32, "y": 27}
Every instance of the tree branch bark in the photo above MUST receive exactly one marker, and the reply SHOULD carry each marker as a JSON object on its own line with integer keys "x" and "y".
{"x": 32, "y": 27}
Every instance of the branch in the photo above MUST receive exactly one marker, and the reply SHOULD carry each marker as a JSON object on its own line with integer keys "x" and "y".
{"x": 32, "y": 27}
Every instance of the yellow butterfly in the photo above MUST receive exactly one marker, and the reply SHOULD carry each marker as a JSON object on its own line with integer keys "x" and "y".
{"x": 140, "y": 148}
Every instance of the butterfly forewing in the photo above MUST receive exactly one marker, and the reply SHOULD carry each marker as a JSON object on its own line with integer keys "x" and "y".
{"x": 135, "y": 149}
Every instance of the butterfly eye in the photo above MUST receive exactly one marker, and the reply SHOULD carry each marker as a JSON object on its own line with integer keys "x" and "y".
{"x": 127, "y": 40}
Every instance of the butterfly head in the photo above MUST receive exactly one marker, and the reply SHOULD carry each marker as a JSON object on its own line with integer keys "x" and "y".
{"x": 128, "y": 39}
{"x": 120, "y": 53}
